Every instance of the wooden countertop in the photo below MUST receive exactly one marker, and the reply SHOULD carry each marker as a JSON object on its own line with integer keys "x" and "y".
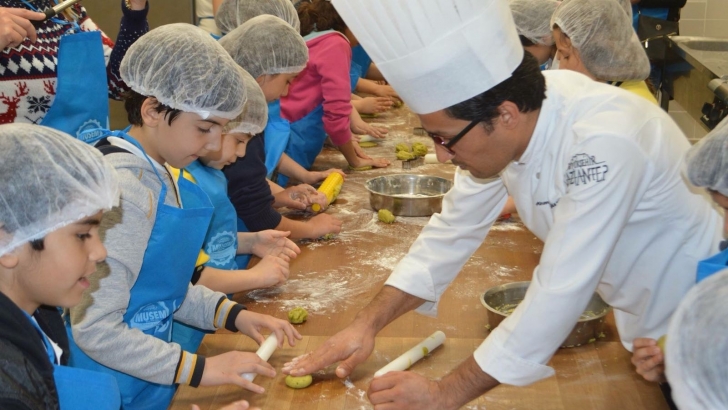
{"x": 334, "y": 279}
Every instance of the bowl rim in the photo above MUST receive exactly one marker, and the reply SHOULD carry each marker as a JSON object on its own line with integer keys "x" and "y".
{"x": 371, "y": 191}
{"x": 516, "y": 284}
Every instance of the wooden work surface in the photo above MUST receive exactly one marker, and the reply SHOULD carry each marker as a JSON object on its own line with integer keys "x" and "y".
{"x": 334, "y": 279}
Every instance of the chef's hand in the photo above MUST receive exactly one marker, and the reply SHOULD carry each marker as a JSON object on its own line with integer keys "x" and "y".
{"x": 15, "y": 26}
{"x": 251, "y": 323}
{"x": 350, "y": 346}
{"x": 406, "y": 391}
{"x": 238, "y": 405}
{"x": 228, "y": 368}
{"x": 648, "y": 359}
{"x": 275, "y": 243}
{"x": 138, "y": 4}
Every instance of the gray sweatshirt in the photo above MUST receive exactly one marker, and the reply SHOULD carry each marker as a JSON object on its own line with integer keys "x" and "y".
{"x": 97, "y": 322}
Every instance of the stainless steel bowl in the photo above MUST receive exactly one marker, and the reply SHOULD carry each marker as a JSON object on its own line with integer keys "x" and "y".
{"x": 588, "y": 329}
{"x": 408, "y": 195}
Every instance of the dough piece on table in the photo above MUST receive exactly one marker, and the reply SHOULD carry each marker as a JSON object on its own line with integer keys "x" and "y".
{"x": 419, "y": 149}
{"x": 402, "y": 146}
{"x": 297, "y": 315}
{"x": 385, "y": 216}
{"x": 299, "y": 382}
{"x": 368, "y": 144}
{"x": 405, "y": 155}
{"x": 364, "y": 168}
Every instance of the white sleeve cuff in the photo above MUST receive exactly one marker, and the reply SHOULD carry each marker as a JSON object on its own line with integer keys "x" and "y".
{"x": 411, "y": 278}
{"x": 506, "y": 367}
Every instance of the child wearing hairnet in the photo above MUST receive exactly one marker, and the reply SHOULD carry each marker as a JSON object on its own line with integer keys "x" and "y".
{"x": 185, "y": 90}
{"x": 596, "y": 39}
{"x": 54, "y": 189}
{"x": 318, "y": 103}
{"x": 273, "y": 53}
{"x": 220, "y": 271}
{"x": 706, "y": 165}
{"x": 533, "y": 23}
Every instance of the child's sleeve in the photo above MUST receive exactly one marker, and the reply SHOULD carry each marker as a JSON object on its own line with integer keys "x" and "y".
{"x": 336, "y": 90}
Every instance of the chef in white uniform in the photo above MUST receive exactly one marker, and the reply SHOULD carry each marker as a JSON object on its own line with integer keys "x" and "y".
{"x": 594, "y": 172}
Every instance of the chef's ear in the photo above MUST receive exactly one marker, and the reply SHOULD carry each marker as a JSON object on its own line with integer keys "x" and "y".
{"x": 509, "y": 115}
{"x": 150, "y": 115}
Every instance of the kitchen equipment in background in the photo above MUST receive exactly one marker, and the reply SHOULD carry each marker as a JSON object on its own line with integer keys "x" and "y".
{"x": 407, "y": 194}
{"x": 502, "y": 300}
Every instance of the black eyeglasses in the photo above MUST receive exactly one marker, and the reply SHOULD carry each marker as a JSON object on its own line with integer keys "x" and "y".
{"x": 448, "y": 144}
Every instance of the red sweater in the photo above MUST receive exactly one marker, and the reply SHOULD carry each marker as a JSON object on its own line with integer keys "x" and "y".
{"x": 324, "y": 80}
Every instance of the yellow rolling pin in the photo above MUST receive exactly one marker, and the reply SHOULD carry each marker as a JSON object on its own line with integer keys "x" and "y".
{"x": 331, "y": 188}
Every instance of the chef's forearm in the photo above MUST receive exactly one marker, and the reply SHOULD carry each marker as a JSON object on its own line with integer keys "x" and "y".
{"x": 467, "y": 382}
{"x": 389, "y": 304}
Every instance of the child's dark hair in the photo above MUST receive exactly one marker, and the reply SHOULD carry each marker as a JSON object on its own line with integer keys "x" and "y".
{"x": 526, "y": 88}
{"x": 525, "y": 42}
{"x": 319, "y": 15}
{"x": 38, "y": 244}
{"x": 133, "y": 104}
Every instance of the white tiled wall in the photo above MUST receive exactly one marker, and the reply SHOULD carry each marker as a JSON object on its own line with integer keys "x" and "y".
{"x": 707, "y": 18}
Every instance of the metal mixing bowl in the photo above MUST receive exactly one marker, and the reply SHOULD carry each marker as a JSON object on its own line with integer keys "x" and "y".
{"x": 588, "y": 329}
{"x": 408, "y": 195}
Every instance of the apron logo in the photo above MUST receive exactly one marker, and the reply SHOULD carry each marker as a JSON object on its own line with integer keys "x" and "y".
{"x": 89, "y": 131}
{"x": 221, "y": 248}
{"x": 584, "y": 169}
{"x": 149, "y": 316}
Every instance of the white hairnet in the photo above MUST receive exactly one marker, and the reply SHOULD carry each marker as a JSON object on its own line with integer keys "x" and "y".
{"x": 696, "y": 354}
{"x": 266, "y": 45}
{"x": 603, "y": 34}
{"x": 707, "y": 161}
{"x": 233, "y": 13}
{"x": 255, "y": 113}
{"x": 184, "y": 68}
{"x": 533, "y": 19}
{"x": 49, "y": 180}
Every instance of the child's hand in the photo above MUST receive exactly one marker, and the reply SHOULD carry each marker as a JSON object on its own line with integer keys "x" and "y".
{"x": 298, "y": 197}
{"x": 363, "y": 160}
{"x": 238, "y": 405}
{"x": 386, "y": 91}
{"x": 323, "y": 224}
{"x": 316, "y": 176}
{"x": 270, "y": 271}
{"x": 251, "y": 323}
{"x": 227, "y": 368}
{"x": 275, "y": 243}
{"x": 372, "y": 105}
{"x": 648, "y": 359}
{"x": 368, "y": 129}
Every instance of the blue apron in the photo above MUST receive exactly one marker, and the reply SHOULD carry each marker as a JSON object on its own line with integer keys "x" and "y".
{"x": 80, "y": 389}
{"x": 360, "y": 57}
{"x": 354, "y": 74}
{"x": 221, "y": 241}
{"x": 82, "y": 91}
{"x": 306, "y": 140}
{"x": 167, "y": 267}
{"x": 276, "y": 137}
{"x": 712, "y": 265}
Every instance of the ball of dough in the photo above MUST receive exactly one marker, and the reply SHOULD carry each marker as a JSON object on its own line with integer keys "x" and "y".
{"x": 419, "y": 149}
{"x": 385, "y": 216}
{"x": 661, "y": 343}
{"x": 299, "y": 382}
{"x": 405, "y": 155}
{"x": 297, "y": 315}
{"x": 402, "y": 147}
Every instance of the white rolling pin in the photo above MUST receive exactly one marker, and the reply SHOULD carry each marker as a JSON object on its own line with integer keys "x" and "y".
{"x": 367, "y": 138}
{"x": 432, "y": 159}
{"x": 414, "y": 354}
{"x": 264, "y": 352}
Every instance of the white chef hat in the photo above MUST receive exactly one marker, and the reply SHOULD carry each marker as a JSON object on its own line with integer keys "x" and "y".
{"x": 436, "y": 53}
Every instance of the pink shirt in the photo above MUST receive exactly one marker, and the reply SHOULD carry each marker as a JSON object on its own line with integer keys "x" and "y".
{"x": 325, "y": 79}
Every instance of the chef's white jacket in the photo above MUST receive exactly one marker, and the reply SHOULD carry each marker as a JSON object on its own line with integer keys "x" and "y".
{"x": 600, "y": 184}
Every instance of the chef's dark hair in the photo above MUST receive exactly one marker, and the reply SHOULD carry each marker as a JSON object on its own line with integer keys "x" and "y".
{"x": 319, "y": 15}
{"x": 133, "y": 104}
{"x": 526, "y": 88}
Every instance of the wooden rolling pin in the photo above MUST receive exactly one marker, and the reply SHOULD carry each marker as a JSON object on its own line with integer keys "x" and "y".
{"x": 414, "y": 354}
{"x": 264, "y": 352}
